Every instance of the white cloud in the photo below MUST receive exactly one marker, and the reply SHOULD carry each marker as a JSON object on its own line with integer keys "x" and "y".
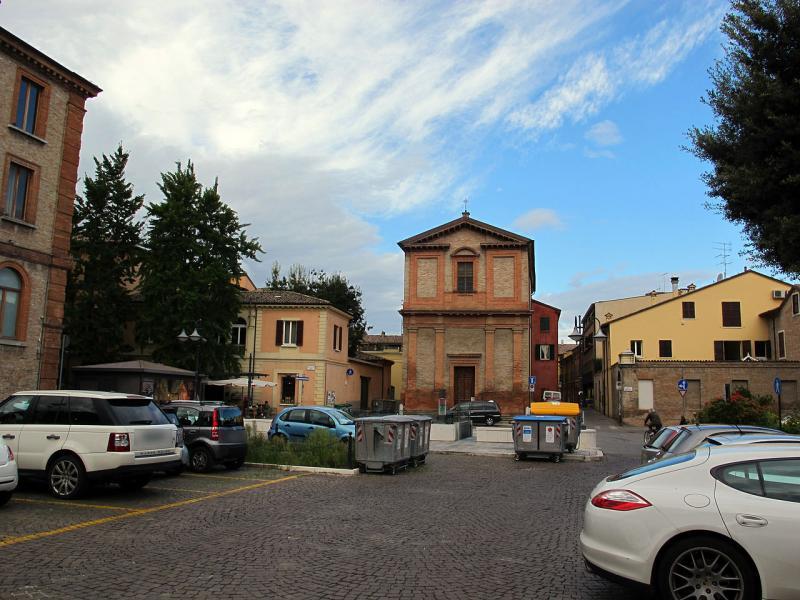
{"x": 322, "y": 117}
{"x": 604, "y": 133}
{"x": 538, "y": 218}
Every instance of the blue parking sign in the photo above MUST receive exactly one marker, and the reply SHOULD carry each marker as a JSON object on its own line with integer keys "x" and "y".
{"x": 776, "y": 385}
{"x": 532, "y": 380}
{"x": 683, "y": 385}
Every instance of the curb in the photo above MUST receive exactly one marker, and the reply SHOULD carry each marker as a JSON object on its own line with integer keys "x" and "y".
{"x": 302, "y": 469}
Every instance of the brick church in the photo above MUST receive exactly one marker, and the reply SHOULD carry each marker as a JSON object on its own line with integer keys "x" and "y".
{"x": 467, "y": 315}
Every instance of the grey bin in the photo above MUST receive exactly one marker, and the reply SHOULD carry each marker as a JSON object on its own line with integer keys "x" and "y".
{"x": 383, "y": 443}
{"x": 536, "y": 435}
{"x": 419, "y": 438}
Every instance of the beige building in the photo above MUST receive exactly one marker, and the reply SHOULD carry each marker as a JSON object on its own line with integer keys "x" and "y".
{"x": 389, "y": 347}
{"x": 299, "y": 343}
{"x": 467, "y": 315}
{"x": 39, "y": 151}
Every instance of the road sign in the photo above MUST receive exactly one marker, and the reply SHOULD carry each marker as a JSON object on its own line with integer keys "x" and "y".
{"x": 532, "y": 380}
{"x": 683, "y": 385}
{"x": 302, "y": 378}
{"x": 776, "y": 385}
{"x": 350, "y": 372}
{"x": 531, "y": 388}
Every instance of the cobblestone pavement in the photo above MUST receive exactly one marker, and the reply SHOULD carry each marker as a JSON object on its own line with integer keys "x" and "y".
{"x": 459, "y": 527}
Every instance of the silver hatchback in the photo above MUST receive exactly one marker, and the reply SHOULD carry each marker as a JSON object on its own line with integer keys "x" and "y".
{"x": 678, "y": 439}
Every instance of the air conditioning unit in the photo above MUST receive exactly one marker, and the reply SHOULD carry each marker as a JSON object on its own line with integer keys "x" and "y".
{"x": 778, "y": 294}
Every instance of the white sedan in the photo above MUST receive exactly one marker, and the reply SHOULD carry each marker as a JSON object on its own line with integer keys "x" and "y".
{"x": 717, "y": 523}
{"x": 8, "y": 473}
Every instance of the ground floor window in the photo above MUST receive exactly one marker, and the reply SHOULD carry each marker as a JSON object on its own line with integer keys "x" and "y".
{"x": 288, "y": 386}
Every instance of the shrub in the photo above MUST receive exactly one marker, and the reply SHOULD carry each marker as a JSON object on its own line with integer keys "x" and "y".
{"x": 742, "y": 409}
{"x": 320, "y": 449}
{"x": 791, "y": 423}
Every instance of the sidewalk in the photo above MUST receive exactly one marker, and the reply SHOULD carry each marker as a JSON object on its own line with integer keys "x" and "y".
{"x": 612, "y": 438}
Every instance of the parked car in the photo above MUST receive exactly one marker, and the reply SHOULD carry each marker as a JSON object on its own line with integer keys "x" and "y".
{"x": 8, "y": 473}
{"x": 213, "y": 432}
{"x": 678, "y": 439}
{"x": 754, "y": 438}
{"x": 478, "y": 411}
{"x": 718, "y": 522}
{"x": 74, "y": 438}
{"x": 173, "y": 418}
{"x": 297, "y": 423}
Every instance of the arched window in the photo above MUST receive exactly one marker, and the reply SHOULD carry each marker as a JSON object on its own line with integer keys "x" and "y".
{"x": 10, "y": 290}
{"x": 239, "y": 332}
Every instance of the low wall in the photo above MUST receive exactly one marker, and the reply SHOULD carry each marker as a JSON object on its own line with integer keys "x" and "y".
{"x": 261, "y": 425}
{"x": 450, "y": 432}
{"x": 493, "y": 434}
{"x": 587, "y": 440}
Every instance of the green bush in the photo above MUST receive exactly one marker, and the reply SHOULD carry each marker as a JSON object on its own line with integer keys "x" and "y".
{"x": 791, "y": 423}
{"x": 320, "y": 449}
{"x": 742, "y": 409}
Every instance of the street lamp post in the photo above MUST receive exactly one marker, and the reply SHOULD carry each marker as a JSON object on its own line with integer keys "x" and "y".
{"x": 196, "y": 339}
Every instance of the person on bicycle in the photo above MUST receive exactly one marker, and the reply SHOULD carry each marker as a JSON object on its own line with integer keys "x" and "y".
{"x": 652, "y": 421}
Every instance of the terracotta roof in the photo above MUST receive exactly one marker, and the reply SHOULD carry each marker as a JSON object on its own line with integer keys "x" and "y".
{"x": 382, "y": 339}
{"x": 281, "y": 298}
{"x": 564, "y": 348}
{"x": 463, "y": 221}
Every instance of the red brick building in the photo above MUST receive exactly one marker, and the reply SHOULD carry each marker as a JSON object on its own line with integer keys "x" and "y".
{"x": 544, "y": 347}
{"x": 39, "y": 149}
{"x": 467, "y": 315}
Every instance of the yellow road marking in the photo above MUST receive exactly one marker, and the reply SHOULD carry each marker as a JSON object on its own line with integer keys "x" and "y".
{"x": 152, "y": 487}
{"x": 222, "y": 477}
{"x": 138, "y": 513}
{"x": 70, "y": 503}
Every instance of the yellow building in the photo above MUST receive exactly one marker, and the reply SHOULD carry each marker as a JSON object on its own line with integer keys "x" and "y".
{"x": 389, "y": 347}
{"x": 717, "y": 337}
{"x": 299, "y": 343}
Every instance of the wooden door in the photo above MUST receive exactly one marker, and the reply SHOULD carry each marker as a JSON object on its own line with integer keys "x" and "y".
{"x": 464, "y": 383}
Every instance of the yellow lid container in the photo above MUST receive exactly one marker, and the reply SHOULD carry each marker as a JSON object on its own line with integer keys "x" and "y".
{"x": 561, "y": 409}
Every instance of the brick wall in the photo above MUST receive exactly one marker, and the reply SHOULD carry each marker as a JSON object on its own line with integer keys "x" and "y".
{"x": 790, "y": 324}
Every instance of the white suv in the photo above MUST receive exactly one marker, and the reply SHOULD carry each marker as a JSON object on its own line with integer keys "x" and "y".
{"x": 8, "y": 473}
{"x": 74, "y": 438}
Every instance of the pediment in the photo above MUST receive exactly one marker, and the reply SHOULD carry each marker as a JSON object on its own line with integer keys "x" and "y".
{"x": 439, "y": 235}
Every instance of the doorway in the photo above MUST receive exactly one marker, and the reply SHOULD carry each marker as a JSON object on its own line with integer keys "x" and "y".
{"x": 288, "y": 384}
{"x": 365, "y": 393}
{"x": 464, "y": 380}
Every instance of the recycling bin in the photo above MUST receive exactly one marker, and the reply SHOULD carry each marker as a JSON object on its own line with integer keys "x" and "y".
{"x": 570, "y": 410}
{"x": 383, "y": 443}
{"x": 419, "y": 438}
{"x": 540, "y": 435}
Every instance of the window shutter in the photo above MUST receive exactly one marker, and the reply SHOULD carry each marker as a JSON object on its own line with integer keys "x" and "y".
{"x": 769, "y": 349}
{"x": 731, "y": 314}
{"x": 299, "y": 333}
{"x": 552, "y": 352}
{"x": 279, "y": 333}
{"x": 719, "y": 350}
{"x": 538, "y": 352}
{"x": 746, "y": 348}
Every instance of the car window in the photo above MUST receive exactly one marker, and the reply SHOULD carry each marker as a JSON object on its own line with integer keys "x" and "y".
{"x": 187, "y": 416}
{"x": 742, "y": 476}
{"x": 654, "y": 466}
{"x": 343, "y": 418}
{"x": 673, "y": 442}
{"x": 204, "y": 418}
{"x": 83, "y": 411}
{"x": 662, "y": 438}
{"x": 51, "y": 410}
{"x": 230, "y": 416}
{"x": 136, "y": 411}
{"x": 13, "y": 410}
{"x": 317, "y": 417}
{"x": 296, "y": 416}
{"x": 781, "y": 479}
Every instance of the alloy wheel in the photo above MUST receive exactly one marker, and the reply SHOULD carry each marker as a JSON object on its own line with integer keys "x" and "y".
{"x": 705, "y": 574}
{"x": 64, "y": 477}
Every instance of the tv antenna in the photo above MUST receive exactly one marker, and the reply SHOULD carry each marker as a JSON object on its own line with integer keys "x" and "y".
{"x": 724, "y": 249}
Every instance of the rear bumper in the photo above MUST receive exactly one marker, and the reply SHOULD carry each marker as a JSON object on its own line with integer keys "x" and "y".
{"x": 228, "y": 452}
{"x": 643, "y": 588}
{"x": 131, "y": 471}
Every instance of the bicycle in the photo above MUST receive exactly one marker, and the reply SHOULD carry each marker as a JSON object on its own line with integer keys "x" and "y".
{"x": 649, "y": 435}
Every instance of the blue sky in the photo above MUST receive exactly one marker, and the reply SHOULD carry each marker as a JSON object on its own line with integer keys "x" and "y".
{"x": 338, "y": 128}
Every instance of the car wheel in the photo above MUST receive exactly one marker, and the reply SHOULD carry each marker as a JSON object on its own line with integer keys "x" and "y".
{"x": 706, "y": 567}
{"x": 134, "y": 484}
{"x": 200, "y": 459}
{"x": 66, "y": 477}
{"x": 489, "y": 421}
{"x": 237, "y": 464}
{"x": 4, "y": 497}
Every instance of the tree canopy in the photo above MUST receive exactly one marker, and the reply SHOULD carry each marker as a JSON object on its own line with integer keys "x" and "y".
{"x": 195, "y": 247}
{"x": 754, "y": 145}
{"x": 106, "y": 249}
{"x": 331, "y": 287}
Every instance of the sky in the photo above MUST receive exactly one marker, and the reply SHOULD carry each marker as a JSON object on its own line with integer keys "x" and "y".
{"x": 337, "y": 129}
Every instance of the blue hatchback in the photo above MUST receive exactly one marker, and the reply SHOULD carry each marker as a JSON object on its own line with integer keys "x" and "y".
{"x": 297, "y": 422}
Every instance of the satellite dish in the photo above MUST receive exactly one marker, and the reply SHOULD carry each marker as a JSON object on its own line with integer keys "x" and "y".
{"x": 719, "y": 276}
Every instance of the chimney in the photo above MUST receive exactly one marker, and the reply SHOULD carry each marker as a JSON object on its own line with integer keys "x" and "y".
{"x": 674, "y": 281}
{"x": 691, "y": 287}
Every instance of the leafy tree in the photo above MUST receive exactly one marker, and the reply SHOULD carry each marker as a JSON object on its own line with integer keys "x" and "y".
{"x": 195, "y": 248}
{"x": 106, "y": 248}
{"x": 334, "y": 288}
{"x": 754, "y": 147}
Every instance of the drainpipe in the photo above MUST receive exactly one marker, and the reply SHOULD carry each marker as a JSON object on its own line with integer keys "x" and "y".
{"x": 43, "y": 319}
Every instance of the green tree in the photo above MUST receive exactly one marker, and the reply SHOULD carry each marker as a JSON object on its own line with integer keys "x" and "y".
{"x": 331, "y": 287}
{"x": 195, "y": 247}
{"x": 754, "y": 146}
{"x": 105, "y": 247}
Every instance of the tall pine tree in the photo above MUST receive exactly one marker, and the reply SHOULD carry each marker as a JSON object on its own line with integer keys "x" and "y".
{"x": 106, "y": 244}
{"x": 195, "y": 247}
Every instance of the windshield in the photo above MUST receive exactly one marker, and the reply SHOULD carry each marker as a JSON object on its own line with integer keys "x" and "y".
{"x": 343, "y": 418}
{"x": 653, "y": 466}
{"x": 137, "y": 411}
